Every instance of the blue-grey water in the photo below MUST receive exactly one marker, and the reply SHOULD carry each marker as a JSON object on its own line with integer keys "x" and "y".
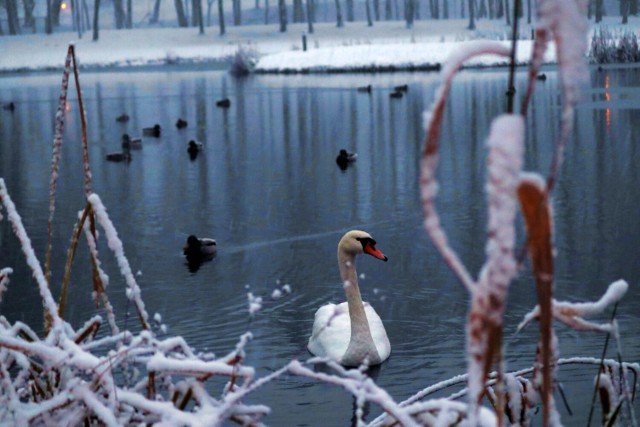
{"x": 267, "y": 188}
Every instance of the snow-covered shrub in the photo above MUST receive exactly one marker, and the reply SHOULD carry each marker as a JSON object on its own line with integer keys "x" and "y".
{"x": 243, "y": 61}
{"x": 609, "y": 47}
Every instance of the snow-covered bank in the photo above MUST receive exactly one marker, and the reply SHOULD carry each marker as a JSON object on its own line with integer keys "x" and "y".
{"x": 392, "y": 57}
{"x": 385, "y": 43}
{"x": 386, "y": 46}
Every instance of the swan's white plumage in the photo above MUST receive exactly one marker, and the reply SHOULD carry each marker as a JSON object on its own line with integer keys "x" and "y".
{"x": 351, "y": 333}
{"x": 332, "y": 331}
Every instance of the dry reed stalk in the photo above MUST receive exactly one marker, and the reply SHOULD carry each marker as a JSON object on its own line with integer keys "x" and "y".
{"x": 83, "y": 121}
{"x": 71, "y": 255}
{"x": 539, "y": 226}
{"x": 429, "y": 160}
{"x": 55, "y": 162}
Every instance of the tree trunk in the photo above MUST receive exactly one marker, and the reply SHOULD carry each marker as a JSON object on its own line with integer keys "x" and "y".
{"x": 266, "y": 12}
{"x": 387, "y": 10}
{"x": 129, "y": 14}
{"x": 29, "y": 20}
{"x": 182, "y": 18}
{"x": 85, "y": 14}
{"x": 156, "y": 13}
{"x": 310, "y": 16}
{"x": 221, "y": 17}
{"x": 482, "y": 9}
{"x": 408, "y": 13}
{"x": 237, "y": 12}
{"x": 55, "y": 12}
{"x": 445, "y": 10}
{"x": 96, "y": 15}
{"x": 376, "y": 9}
{"x": 118, "y": 12}
{"x": 298, "y": 14}
{"x": 12, "y": 16}
{"x": 507, "y": 12}
{"x": 48, "y": 22}
{"x": 528, "y": 11}
{"x": 472, "y": 17}
{"x": 624, "y": 11}
{"x": 633, "y": 7}
{"x": 198, "y": 11}
{"x": 599, "y": 10}
{"x": 350, "y": 11}
{"x": 339, "y": 24}
{"x": 282, "y": 14}
{"x": 209, "y": 5}
{"x": 367, "y": 5}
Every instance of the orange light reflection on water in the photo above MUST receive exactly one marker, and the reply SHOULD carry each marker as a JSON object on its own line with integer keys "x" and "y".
{"x": 607, "y": 97}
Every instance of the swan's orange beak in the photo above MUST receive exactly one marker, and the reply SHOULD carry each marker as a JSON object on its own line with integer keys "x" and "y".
{"x": 374, "y": 252}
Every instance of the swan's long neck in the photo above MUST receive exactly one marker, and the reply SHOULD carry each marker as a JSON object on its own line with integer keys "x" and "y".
{"x": 361, "y": 344}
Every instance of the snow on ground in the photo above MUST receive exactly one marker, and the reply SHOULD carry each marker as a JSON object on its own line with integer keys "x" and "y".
{"x": 386, "y": 45}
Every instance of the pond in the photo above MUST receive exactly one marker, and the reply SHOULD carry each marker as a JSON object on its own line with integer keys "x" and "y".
{"x": 266, "y": 186}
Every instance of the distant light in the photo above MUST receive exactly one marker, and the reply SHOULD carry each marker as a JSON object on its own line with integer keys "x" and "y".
{"x": 63, "y": 6}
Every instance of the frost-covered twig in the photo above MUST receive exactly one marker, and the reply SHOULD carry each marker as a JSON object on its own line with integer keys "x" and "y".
{"x": 571, "y": 313}
{"x": 32, "y": 260}
{"x": 4, "y": 280}
{"x": 372, "y": 392}
{"x": 115, "y": 244}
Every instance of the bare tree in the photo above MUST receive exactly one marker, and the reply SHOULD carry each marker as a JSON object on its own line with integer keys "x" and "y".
{"x": 434, "y": 5}
{"x": 387, "y": 10}
{"x": 367, "y": 5}
{"x": 96, "y": 15}
{"x": 129, "y": 14}
{"x": 197, "y": 13}
{"x": 48, "y": 23}
{"x": 29, "y": 20}
{"x": 624, "y": 11}
{"x": 633, "y": 7}
{"x": 482, "y": 9}
{"x": 221, "y": 17}
{"x": 408, "y": 12}
{"x": 282, "y": 15}
{"x": 599, "y": 10}
{"x": 156, "y": 13}
{"x": 310, "y": 16}
{"x": 12, "y": 16}
{"x": 209, "y": 6}
{"x": 182, "y": 18}
{"x": 376, "y": 9}
{"x": 472, "y": 17}
{"x": 298, "y": 14}
{"x": 339, "y": 21}
{"x": 266, "y": 12}
{"x": 237, "y": 12}
{"x": 55, "y": 12}
{"x": 507, "y": 13}
{"x": 118, "y": 11}
{"x": 85, "y": 14}
{"x": 350, "y": 11}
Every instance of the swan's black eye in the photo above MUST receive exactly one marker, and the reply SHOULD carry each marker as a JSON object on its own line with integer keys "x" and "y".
{"x": 364, "y": 241}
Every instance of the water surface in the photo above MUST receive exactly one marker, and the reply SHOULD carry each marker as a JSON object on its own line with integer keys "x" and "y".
{"x": 266, "y": 186}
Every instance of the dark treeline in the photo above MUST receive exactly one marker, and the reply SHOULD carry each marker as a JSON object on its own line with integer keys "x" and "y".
{"x": 26, "y": 16}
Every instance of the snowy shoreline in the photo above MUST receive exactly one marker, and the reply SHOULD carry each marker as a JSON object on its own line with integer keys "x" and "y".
{"x": 386, "y": 47}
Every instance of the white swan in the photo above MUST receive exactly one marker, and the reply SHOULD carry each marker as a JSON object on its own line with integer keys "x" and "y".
{"x": 351, "y": 333}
